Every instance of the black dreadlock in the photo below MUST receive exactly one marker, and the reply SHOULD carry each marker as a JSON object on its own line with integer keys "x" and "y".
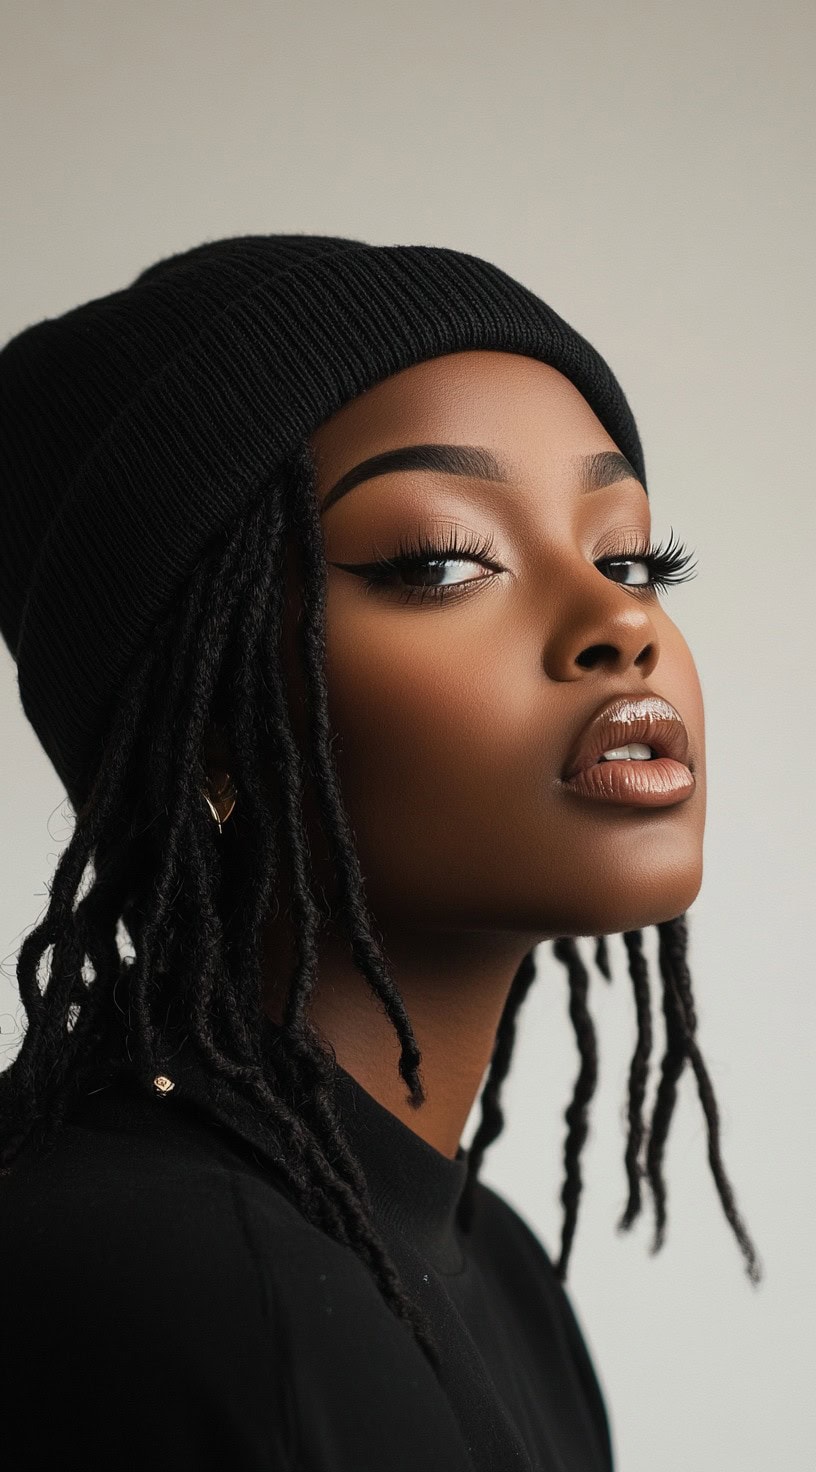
{"x": 193, "y": 904}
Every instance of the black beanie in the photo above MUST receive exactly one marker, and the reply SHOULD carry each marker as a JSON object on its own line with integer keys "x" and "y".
{"x": 136, "y": 426}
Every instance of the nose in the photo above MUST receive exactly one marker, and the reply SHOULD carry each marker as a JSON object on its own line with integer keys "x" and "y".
{"x": 601, "y": 623}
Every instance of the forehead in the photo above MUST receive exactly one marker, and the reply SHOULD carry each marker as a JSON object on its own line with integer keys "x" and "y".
{"x": 500, "y": 400}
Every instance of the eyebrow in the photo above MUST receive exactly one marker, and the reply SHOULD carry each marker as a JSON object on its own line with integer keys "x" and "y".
{"x": 600, "y": 469}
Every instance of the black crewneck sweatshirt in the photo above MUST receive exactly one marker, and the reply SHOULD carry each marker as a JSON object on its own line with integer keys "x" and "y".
{"x": 167, "y": 1306}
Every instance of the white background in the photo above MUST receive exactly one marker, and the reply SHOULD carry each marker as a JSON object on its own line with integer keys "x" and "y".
{"x": 648, "y": 169}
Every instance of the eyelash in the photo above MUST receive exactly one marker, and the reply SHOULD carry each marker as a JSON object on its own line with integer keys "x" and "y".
{"x": 665, "y": 563}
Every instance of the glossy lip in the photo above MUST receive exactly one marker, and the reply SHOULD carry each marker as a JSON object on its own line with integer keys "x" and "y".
{"x": 626, "y": 718}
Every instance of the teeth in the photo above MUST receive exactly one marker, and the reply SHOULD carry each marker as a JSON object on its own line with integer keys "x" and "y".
{"x": 635, "y": 751}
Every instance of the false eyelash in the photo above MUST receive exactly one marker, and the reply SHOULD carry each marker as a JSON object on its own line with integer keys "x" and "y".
{"x": 666, "y": 562}
{"x": 408, "y": 552}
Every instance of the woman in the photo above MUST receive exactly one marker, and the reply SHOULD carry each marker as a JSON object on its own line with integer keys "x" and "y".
{"x": 328, "y": 573}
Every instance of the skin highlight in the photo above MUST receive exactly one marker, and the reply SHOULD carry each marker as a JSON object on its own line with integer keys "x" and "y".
{"x": 453, "y": 721}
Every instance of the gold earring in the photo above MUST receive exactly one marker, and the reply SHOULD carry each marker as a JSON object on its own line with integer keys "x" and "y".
{"x": 222, "y": 802}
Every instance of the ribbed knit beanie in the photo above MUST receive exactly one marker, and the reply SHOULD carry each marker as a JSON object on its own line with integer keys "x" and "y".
{"x": 136, "y": 426}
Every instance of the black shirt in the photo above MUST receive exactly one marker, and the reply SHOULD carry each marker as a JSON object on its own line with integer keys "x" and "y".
{"x": 165, "y": 1305}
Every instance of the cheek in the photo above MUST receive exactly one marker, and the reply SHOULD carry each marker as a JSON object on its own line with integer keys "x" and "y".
{"x": 405, "y": 707}
{"x": 430, "y": 722}
{"x": 423, "y": 707}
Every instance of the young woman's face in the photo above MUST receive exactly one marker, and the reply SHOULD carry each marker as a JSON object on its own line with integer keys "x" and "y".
{"x": 454, "y": 717}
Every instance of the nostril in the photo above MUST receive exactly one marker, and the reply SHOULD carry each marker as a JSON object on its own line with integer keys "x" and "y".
{"x": 594, "y": 655}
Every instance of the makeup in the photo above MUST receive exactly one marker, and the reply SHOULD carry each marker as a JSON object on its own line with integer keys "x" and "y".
{"x": 657, "y": 782}
{"x": 633, "y": 750}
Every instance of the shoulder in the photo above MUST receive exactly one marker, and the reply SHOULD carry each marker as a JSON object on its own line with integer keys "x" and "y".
{"x": 144, "y": 1203}
{"x": 528, "y": 1275}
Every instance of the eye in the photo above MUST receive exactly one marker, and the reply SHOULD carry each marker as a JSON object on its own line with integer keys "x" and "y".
{"x": 664, "y": 565}
{"x": 420, "y": 557}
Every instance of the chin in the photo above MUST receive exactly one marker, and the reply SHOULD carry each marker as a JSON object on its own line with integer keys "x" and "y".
{"x": 639, "y": 905}
{"x": 655, "y": 909}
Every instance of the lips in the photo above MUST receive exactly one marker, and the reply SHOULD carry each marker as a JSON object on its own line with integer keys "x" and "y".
{"x": 646, "y": 718}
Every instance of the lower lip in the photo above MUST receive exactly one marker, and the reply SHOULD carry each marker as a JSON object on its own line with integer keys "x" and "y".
{"x": 658, "y": 783}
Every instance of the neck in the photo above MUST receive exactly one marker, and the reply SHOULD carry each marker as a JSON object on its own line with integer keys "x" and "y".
{"x": 454, "y": 989}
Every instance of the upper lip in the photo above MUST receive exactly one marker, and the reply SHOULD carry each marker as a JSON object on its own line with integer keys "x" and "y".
{"x": 646, "y": 718}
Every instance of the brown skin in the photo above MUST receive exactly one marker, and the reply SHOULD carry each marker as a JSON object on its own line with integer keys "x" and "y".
{"x": 454, "y": 721}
